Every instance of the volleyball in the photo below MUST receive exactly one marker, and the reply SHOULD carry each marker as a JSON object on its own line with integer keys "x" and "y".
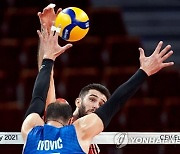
{"x": 73, "y": 23}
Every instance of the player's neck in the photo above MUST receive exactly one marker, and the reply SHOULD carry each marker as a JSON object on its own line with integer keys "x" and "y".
{"x": 55, "y": 123}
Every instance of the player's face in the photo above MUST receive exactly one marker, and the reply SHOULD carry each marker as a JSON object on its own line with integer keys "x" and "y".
{"x": 92, "y": 101}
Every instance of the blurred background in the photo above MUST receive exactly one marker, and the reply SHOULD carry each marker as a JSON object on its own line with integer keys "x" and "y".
{"x": 108, "y": 55}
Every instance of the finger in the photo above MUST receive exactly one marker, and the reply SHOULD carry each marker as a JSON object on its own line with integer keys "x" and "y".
{"x": 39, "y": 13}
{"x": 64, "y": 48}
{"x": 52, "y": 23}
{"x": 166, "y": 56}
{"x": 45, "y": 31}
{"x": 58, "y": 11}
{"x": 51, "y": 6}
{"x": 56, "y": 34}
{"x": 141, "y": 53}
{"x": 165, "y": 50}
{"x": 43, "y": 26}
{"x": 167, "y": 64}
{"x": 158, "y": 48}
{"x": 67, "y": 46}
{"x": 39, "y": 34}
{"x": 58, "y": 29}
{"x": 46, "y": 9}
{"x": 49, "y": 10}
{"x": 52, "y": 33}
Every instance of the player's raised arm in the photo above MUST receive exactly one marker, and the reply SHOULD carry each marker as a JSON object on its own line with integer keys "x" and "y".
{"x": 47, "y": 18}
{"x": 94, "y": 123}
{"x": 36, "y": 109}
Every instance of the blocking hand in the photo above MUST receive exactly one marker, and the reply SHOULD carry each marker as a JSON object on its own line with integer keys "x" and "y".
{"x": 155, "y": 62}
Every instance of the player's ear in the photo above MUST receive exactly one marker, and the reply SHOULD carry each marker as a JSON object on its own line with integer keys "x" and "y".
{"x": 78, "y": 102}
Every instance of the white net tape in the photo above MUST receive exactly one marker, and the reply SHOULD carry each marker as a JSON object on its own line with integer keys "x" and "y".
{"x": 118, "y": 138}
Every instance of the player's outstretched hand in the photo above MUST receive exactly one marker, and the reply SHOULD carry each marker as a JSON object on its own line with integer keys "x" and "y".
{"x": 49, "y": 44}
{"x": 48, "y": 16}
{"x": 155, "y": 62}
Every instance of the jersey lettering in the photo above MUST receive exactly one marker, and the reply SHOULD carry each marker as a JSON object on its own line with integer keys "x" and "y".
{"x": 50, "y": 145}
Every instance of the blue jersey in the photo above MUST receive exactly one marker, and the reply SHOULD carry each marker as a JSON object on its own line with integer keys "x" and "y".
{"x": 48, "y": 139}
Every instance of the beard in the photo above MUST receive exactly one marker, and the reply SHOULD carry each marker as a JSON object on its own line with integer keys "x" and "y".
{"x": 83, "y": 111}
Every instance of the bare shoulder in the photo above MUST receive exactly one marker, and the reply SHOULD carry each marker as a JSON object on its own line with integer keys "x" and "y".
{"x": 89, "y": 125}
{"x": 30, "y": 122}
{"x": 86, "y": 128}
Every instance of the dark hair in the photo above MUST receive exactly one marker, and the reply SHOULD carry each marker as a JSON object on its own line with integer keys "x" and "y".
{"x": 95, "y": 86}
{"x": 57, "y": 111}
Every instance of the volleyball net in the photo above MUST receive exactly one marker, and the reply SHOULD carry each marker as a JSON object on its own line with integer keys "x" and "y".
{"x": 118, "y": 138}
